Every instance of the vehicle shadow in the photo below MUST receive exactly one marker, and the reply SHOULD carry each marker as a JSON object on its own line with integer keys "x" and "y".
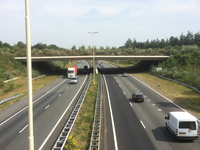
{"x": 162, "y": 134}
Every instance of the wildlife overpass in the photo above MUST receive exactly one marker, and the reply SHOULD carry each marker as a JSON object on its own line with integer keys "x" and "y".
{"x": 106, "y": 57}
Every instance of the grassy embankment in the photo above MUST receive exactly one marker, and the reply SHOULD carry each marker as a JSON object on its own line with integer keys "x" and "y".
{"x": 80, "y": 135}
{"x": 20, "y": 87}
{"x": 185, "y": 97}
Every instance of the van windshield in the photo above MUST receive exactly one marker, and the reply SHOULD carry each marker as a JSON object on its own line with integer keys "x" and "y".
{"x": 189, "y": 124}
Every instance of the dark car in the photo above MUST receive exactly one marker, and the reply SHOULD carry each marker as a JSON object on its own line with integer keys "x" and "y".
{"x": 138, "y": 97}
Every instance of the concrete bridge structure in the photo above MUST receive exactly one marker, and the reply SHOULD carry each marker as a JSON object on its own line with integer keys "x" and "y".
{"x": 97, "y": 57}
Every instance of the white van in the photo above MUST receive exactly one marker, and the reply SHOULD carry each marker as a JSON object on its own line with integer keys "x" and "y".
{"x": 182, "y": 125}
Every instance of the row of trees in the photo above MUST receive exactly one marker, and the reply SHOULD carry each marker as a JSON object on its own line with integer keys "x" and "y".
{"x": 188, "y": 39}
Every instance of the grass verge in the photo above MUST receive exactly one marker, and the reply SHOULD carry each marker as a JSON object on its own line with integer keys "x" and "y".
{"x": 20, "y": 87}
{"x": 80, "y": 135}
{"x": 182, "y": 95}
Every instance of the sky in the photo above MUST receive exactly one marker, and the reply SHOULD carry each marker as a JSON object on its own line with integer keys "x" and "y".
{"x": 67, "y": 22}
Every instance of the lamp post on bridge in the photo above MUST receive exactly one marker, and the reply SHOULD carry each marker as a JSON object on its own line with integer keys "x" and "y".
{"x": 93, "y": 56}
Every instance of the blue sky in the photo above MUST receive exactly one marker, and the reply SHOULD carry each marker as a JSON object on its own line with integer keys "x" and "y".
{"x": 67, "y": 22}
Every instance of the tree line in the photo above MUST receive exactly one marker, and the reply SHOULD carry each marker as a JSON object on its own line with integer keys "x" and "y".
{"x": 189, "y": 39}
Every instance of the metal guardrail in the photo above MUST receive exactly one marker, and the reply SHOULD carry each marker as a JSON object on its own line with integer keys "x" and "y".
{"x": 96, "y": 130}
{"x": 194, "y": 88}
{"x": 7, "y": 99}
{"x": 64, "y": 134}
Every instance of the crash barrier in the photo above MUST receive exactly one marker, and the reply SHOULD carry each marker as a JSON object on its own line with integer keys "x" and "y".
{"x": 7, "y": 99}
{"x": 96, "y": 130}
{"x": 64, "y": 134}
{"x": 194, "y": 88}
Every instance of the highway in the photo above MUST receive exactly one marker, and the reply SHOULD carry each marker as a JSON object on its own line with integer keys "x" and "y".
{"x": 52, "y": 106}
{"x": 136, "y": 125}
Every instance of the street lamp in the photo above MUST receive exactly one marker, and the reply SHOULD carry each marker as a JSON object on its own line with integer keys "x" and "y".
{"x": 29, "y": 76}
{"x": 93, "y": 56}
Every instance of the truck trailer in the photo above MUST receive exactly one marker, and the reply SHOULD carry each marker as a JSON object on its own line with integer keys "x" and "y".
{"x": 72, "y": 71}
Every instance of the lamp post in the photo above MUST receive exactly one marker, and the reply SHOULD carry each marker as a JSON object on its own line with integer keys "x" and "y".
{"x": 93, "y": 56}
{"x": 29, "y": 76}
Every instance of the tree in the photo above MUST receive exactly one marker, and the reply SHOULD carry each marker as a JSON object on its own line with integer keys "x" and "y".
{"x": 40, "y": 46}
{"x": 53, "y": 46}
{"x": 128, "y": 43}
{"x": 7, "y": 45}
{"x": 21, "y": 45}
{"x": 1, "y": 44}
{"x": 73, "y": 48}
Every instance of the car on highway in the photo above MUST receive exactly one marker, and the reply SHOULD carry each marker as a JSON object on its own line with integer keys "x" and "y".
{"x": 124, "y": 74}
{"x": 138, "y": 97}
{"x": 74, "y": 80}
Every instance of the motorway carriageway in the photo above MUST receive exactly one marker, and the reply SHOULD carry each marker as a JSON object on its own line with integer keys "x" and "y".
{"x": 133, "y": 125}
{"x": 52, "y": 106}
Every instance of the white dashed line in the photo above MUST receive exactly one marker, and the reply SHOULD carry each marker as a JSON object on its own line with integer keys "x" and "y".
{"x": 47, "y": 107}
{"x": 131, "y": 104}
{"x": 23, "y": 129}
{"x": 142, "y": 124}
{"x": 67, "y": 87}
{"x": 159, "y": 110}
{"x": 124, "y": 93}
{"x": 148, "y": 100}
{"x": 153, "y": 104}
{"x": 59, "y": 95}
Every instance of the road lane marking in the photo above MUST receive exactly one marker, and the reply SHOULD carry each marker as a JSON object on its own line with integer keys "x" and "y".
{"x": 111, "y": 115}
{"x": 47, "y": 107}
{"x": 23, "y": 129}
{"x": 124, "y": 93}
{"x": 61, "y": 116}
{"x": 131, "y": 104}
{"x": 143, "y": 124}
{"x": 67, "y": 87}
{"x": 159, "y": 109}
{"x": 59, "y": 95}
{"x": 148, "y": 100}
{"x": 33, "y": 103}
{"x": 153, "y": 104}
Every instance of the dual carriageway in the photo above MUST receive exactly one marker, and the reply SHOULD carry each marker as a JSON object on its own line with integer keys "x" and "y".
{"x": 126, "y": 125}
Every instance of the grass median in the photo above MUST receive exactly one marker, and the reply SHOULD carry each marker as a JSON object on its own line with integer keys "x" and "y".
{"x": 80, "y": 135}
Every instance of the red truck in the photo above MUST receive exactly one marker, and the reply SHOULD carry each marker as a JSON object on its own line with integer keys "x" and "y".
{"x": 72, "y": 71}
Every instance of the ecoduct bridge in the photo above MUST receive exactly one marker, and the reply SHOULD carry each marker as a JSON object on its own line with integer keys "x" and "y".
{"x": 106, "y": 57}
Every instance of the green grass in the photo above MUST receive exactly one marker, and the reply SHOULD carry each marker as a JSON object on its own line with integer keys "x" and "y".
{"x": 80, "y": 135}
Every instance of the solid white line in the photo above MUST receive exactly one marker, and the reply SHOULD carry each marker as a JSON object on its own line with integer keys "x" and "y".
{"x": 23, "y": 129}
{"x": 142, "y": 124}
{"x": 112, "y": 120}
{"x": 60, "y": 118}
{"x": 33, "y": 103}
{"x": 47, "y": 107}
